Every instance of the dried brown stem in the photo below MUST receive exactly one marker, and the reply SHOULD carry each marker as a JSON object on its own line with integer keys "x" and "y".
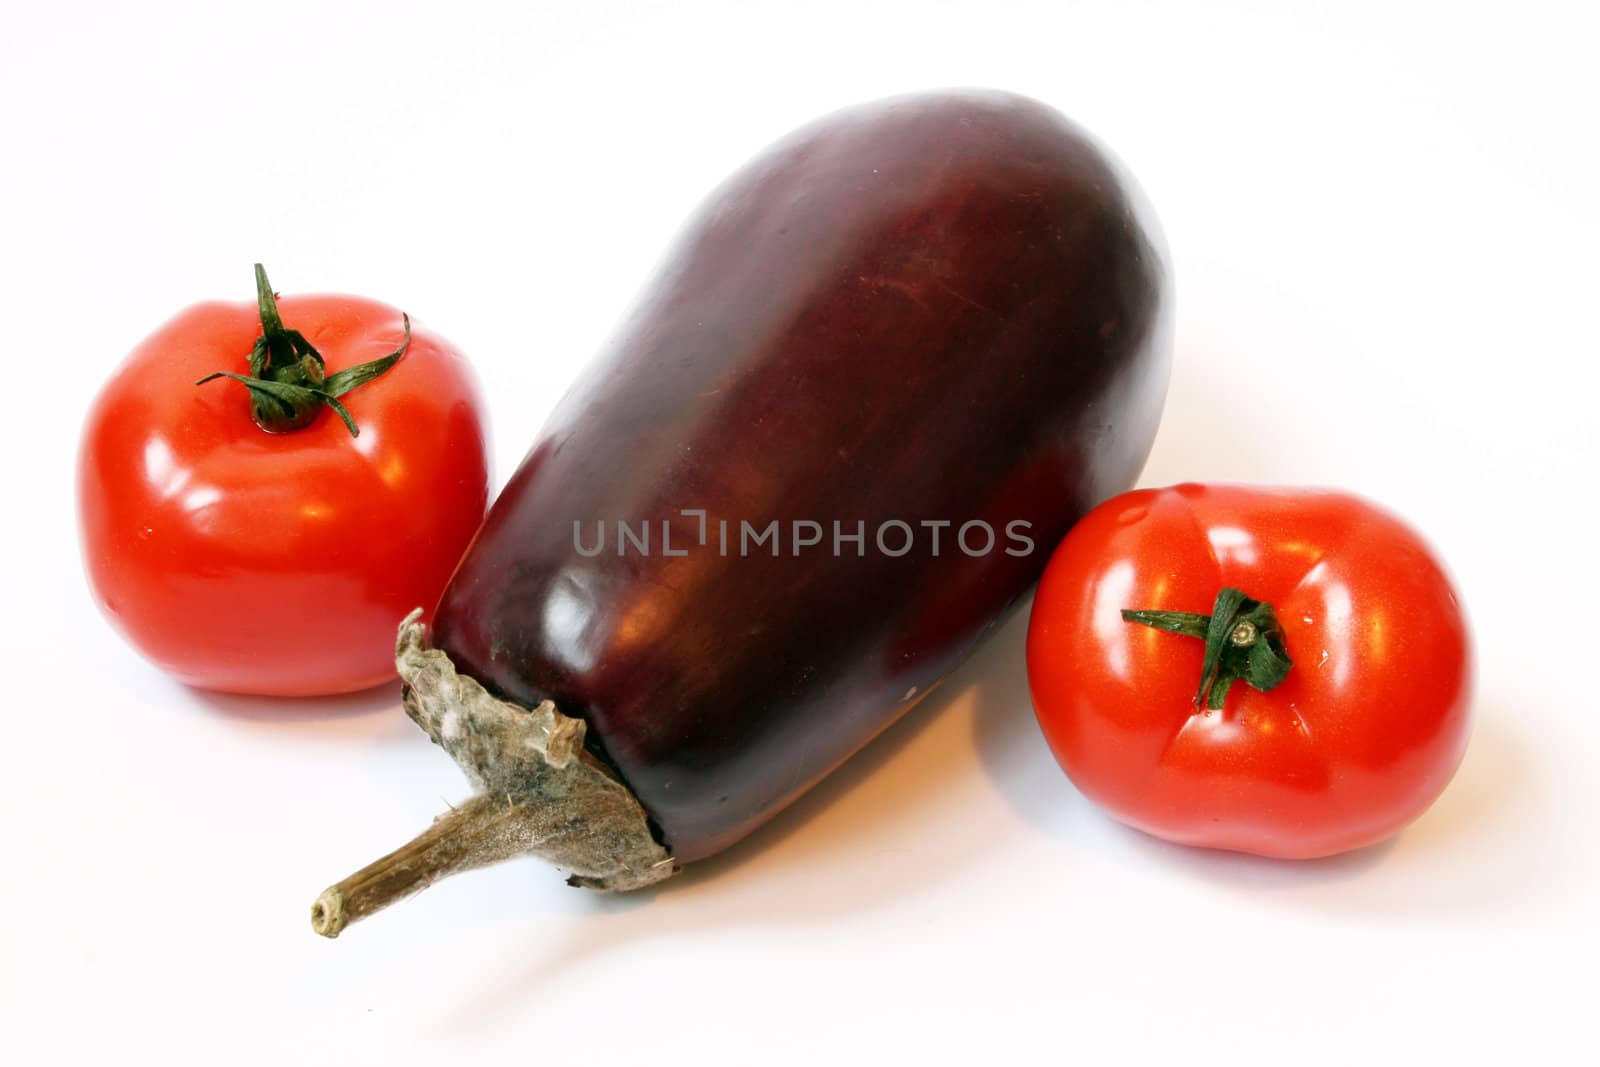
{"x": 478, "y": 833}
{"x": 539, "y": 793}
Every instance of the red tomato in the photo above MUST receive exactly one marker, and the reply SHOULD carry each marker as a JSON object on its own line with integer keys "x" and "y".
{"x": 278, "y": 563}
{"x": 1362, "y": 734}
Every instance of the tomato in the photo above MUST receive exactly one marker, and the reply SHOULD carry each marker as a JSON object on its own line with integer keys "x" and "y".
{"x": 1338, "y": 750}
{"x": 280, "y": 563}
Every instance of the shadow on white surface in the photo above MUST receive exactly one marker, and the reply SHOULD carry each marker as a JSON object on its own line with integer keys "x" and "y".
{"x": 373, "y": 713}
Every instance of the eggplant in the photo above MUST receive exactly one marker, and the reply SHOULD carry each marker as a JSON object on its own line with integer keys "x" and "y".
{"x": 888, "y": 365}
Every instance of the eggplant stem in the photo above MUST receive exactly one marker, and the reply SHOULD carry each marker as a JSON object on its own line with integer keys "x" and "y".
{"x": 464, "y": 838}
{"x": 539, "y": 792}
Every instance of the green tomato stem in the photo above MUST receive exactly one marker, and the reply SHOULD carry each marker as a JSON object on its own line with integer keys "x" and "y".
{"x": 1244, "y": 642}
{"x": 288, "y": 384}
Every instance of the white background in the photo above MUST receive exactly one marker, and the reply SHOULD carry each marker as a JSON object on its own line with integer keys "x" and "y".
{"x": 1383, "y": 225}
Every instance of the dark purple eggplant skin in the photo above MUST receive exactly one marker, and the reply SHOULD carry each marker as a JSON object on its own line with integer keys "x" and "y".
{"x": 942, "y": 307}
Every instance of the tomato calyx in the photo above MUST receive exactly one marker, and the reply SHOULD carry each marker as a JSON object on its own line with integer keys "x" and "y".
{"x": 288, "y": 379}
{"x": 1244, "y": 642}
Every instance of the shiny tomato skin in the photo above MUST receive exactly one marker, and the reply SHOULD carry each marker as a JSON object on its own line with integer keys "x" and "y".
{"x": 1359, "y": 740}
{"x": 278, "y": 563}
